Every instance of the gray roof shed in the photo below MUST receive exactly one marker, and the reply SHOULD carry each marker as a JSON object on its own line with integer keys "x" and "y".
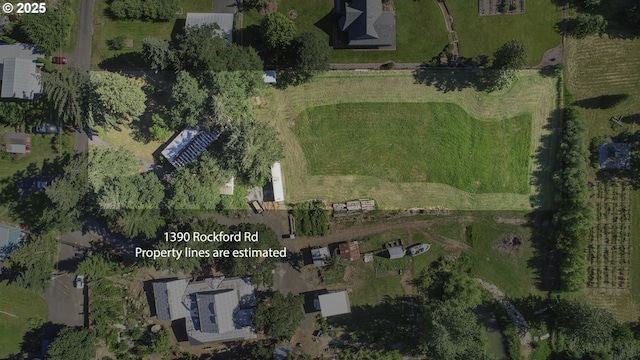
{"x": 396, "y": 252}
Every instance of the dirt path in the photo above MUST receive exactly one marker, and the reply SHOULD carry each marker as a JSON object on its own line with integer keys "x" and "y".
{"x": 448, "y": 20}
{"x": 526, "y": 340}
{"x": 358, "y": 231}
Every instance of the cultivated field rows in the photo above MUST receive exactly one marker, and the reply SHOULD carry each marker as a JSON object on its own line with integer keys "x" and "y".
{"x": 532, "y": 94}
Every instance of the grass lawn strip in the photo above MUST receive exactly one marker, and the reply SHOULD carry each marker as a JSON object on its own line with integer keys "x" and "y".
{"x": 482, "y": 35}
{"x": 24, "y": 305}
{"x": 400, "y": 142}
{"x": 532, "y": 94}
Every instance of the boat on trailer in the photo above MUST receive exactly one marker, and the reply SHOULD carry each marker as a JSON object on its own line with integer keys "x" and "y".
{"x": 418, "y": 249}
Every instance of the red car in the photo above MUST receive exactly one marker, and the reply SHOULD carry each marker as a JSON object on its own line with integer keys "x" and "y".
{"x": 59, "y": 60}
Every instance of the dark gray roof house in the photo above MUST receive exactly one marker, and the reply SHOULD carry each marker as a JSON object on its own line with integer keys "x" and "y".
{"x": 365, "y": 23}
{"x": 214, "y": 309}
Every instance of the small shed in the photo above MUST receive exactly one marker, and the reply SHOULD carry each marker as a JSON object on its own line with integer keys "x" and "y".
{"x": 396, "y": 252}
{"x": 335, "y": 303}
{"x": 269, "y": 77}
{"x": 18, "y": 143}
{"x": 350, "y": 250}
{"x": 319, "y": 256}
{"x": 228, "y": 188}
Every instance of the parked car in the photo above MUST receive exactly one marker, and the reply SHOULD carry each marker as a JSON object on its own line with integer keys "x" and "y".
{"x": 47, "y": 129}
{"x": 59, "y": 60}
{"x": 79, "y": 283}
{"x": 257, "y": 207}
{"x": 34, "y": 184}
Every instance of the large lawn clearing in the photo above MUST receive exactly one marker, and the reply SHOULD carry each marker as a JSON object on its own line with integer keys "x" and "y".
{"x": 413, "y": 142}
{"x": 44, "y": 149}
{"x": 482, "y": 35}
{"x": 600, "y": 67}
{"x": 23, "y": 305}
{"x": 420, "y": 30}
{"x": 105, "y": 28}
{"x": 531, "y": 95}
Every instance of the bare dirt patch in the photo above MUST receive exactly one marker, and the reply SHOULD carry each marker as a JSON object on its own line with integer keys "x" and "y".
{"x": 509, "y": 243}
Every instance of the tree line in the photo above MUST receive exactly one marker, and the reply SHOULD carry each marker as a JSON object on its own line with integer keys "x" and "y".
{"x": 573, "y": 216}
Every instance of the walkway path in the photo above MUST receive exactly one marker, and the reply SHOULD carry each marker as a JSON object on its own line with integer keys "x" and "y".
{"x": 526, "y": 340}
{"x": 448, "y": 21}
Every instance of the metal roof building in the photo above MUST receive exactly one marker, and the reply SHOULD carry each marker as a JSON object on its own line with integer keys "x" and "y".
{"x": 224, "y": 22}
{"x": 188, "y": 145}
{"x": 9, "y": 238}
{"x": 335, "y": 303}
{"x": 396, "y": 252}
{"x": 365, "y": 23}
{"x": 215, "y": 309}
{"x": 19, "y": 72}
{"x": 276, "y": 179}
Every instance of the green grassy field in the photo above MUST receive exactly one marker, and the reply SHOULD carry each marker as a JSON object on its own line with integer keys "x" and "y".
{"x": 104, "y": 29}
{"x": 482, "y": 35}
{"x": 409, "y": 142}
{"x": 23, "y": 305}
{"x": 532, "y": 94}
{"x": 412, "y": 18}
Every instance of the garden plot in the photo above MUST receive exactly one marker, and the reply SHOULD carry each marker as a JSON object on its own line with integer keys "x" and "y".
{"x": 497, "y": 7}
{"x": 609, "y": 251}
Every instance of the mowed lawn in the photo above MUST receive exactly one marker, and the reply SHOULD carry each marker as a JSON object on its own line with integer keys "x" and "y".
{"x": 417, "y": 142}
{"x": 482, "y": 35}
{"x": 105, "y": 29}
{"x": 420, "y": 30}
{"x": 22, "y": 305}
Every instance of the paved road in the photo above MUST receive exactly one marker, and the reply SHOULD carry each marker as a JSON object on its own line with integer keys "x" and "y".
{"x": 82, "y": 55}
{"x": 225, "y": 6}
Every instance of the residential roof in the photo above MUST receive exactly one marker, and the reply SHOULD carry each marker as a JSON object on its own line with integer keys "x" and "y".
{"x": 614, "y": 156}
{"x": 224, "y": 21}
{"x": 319, "y": 256}
{"x": 188, "y": 145}
{"x": 335, "y": 303}
{"x": 350, "y": 250}
{"x": 396, "y": 252}
{"x": 19, "y": 50}
{"x": 365, "y": 23}
{"x": 215, "y": 309}
{"x": 276, "y": 179}
{"x": 19, "y": 79}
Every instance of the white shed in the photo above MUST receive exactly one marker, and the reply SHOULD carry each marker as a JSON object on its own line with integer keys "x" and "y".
{"x": 276, "y": 179}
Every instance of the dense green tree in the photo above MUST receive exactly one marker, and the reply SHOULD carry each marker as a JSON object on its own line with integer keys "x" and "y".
{"x": 511, "y": 55}
{"x": 34, "y": 260}
{"x": 312, "y": 218}
{"x": 367, "y": 354}
{"x": 105, "y": 164}
{"x": 159, "y": 130}
{"x": 148, "y": 10}
{"x": 73, "y": 344}
{"x": 451, "y": 332}
{"x": 157, "y": 53}
{"x": 67, "y": 91}
{"x": 188, "y": 101}
{"x": 587, "y": 24}
{"x": 589, "y": 4}
{"x": 586, "y": 329}
{"x": 195, "y": 187}
{"x": 96, "y": 267}
{"x": 201, "y": 49}
{"x": 115, "y": 99}
{"x": 310, "y": 55}
{"x": 250, "y": 149}
{"x": 19, "y": 114}
{"x": 278, "y": 316}
{"x": 132, "y": 204}
{"x": 573, "y": 217}
{"x": 277, "y": 31}
{"x": 48, "y": 31}
{"x": 68, "y": 195}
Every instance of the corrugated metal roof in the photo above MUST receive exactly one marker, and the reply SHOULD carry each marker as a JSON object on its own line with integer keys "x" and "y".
{"x": 335, "y": 303}
{"x": 19, "y": 79}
